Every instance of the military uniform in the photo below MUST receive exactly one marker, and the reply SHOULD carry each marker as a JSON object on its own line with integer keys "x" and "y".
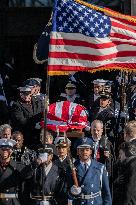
{"x": 94, "y": 185}
{"x": 12, "y": 174}
{"x": 47, "y": 181}
{"x": 9, "y": 183}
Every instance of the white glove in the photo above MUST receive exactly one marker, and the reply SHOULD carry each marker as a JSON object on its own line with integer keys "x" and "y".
{"x": 44, "y": 202}
{"x": 43, "y": 157}
{"x": 75, "y": 190}
{"x": 37, "y": 126}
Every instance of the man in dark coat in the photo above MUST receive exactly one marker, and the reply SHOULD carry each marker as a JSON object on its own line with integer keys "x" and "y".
{"x": 25, "y": 113}
{"x": 93, "y": 185}
{"x": 124, "y": 192}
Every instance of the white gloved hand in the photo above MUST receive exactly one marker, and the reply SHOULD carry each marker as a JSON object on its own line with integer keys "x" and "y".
{"x": 75, "y": 190}
{"x": 44, "y": 202}
{"x": 37, "y": 126}
{"x": 43, "y": 157}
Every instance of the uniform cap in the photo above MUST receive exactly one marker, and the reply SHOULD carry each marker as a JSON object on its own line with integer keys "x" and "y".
{"x": 46, "y": 148}
{"x": 7, "y": 143}
{"x": 100, "y": 82}
{"x": 70, "y": 85}
{"x": 25, "y": 89}
{"x": 85, "y": 142}
{"x": 62, "y": 142}
{"x": 33, "y": 82}
{"x": 106, "y": 95}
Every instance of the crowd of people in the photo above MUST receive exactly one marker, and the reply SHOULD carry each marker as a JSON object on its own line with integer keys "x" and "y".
{"x": 44, "y": 167}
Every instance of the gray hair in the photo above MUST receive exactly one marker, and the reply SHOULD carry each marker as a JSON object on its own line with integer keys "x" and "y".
{"x": 4, "y": 127}
{"x": 97, "y": 122}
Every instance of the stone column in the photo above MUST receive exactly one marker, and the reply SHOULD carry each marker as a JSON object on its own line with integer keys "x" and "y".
{"x": 133, "y": 7}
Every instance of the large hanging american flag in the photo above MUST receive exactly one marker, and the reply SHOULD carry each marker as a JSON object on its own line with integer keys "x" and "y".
{"x": 85, "y": 37}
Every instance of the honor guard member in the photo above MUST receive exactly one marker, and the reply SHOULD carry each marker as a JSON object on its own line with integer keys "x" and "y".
{"x": 93, "y": 184}
{"x": 105, "y": 113}
{"x": 63, "y": 162}
{"x": 25, "y": 113}
{"x": 70, "y": 94}
{"x": 52, "y": 180}
{"x": 63, "y": 148}
{"x": 98, "y": 86}
{"x": 8, "y": 174}
{"x": 21, "y": 153}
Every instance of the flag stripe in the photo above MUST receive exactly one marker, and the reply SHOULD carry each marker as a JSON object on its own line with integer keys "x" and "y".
{"x": 90, "y": 52}
{"x": 90, "y": 64}
{"x": 115, "y": 41}
{"x": 122, "y": 27}
{"x": 54, "y": 68}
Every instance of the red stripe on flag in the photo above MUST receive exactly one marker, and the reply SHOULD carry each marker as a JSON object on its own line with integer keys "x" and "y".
{"x": 80, "y": 43}
{"x": 82, "y": 68}
{"x": 90, "y": 57}
{"x": 65, "y": 110}
{"x": 121, "y": 26}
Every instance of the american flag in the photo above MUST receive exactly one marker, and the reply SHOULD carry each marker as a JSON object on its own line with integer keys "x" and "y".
{"x": 66, "y": 115}
{"x": 84, "y": 39}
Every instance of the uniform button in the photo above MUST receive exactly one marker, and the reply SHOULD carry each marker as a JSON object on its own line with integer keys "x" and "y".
{"x": 83, "y": 202}
{"x": 82, "y": 186}
{"x": 7, "y": 190}
{"x": 6, "y": 199}
{"x": 92, "y": 185}
{"x": 92, "y": 202}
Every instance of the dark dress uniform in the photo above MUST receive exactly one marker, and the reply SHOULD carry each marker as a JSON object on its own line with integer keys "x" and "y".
{"x": 63, "y": 165}
{"x": 94, "y": 185}
{"x": 24, "y": 118}
{"x": 53, "y": 184}
{"x": 11, "y": 176}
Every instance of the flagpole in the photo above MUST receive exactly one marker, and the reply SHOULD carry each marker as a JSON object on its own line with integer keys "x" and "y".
{"x": 46, "y": 104}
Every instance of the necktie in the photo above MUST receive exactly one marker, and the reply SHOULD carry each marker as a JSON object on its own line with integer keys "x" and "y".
{"x": 85, "y": 166}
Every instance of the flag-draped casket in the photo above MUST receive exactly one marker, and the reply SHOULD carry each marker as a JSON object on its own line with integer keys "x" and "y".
{"x": 63, "y": 116}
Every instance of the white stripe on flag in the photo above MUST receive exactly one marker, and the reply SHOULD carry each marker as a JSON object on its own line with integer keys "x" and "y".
{"x": 72, "y": 108}
{"x": 58, "y": 109}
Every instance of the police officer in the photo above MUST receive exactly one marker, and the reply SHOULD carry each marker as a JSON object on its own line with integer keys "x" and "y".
{"x": 21, "y": 153}
{"x": 93, "y": 185}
